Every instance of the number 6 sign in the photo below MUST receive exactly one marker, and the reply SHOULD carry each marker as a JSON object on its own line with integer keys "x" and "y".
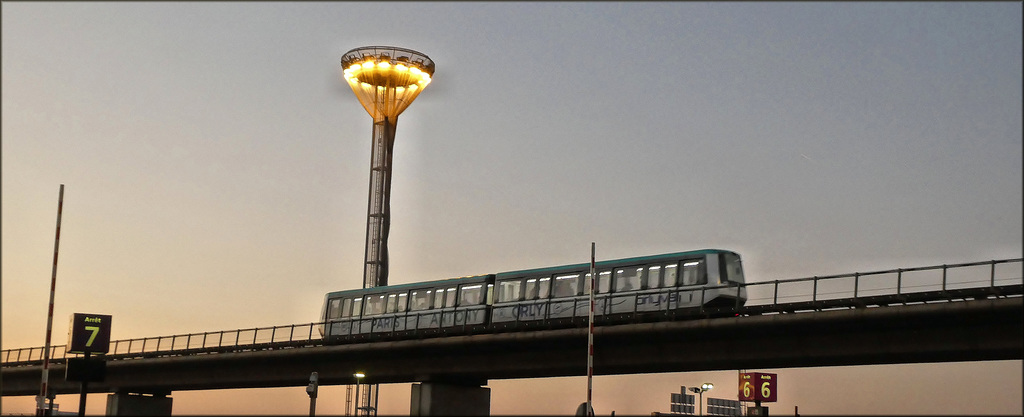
{"x": 757, "y": 386}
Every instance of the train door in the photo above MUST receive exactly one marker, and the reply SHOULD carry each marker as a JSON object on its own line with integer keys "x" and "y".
{"x": 564, "y": 295}
{"x": 601, "y": 299}
{"x": 472, "y": 307}
{"x": 626, "y": 283}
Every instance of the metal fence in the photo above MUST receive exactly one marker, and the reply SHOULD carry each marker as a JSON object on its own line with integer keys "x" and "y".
{"x": 276, "y": 337}
{"x": 936, "y": 280}
{"x": 908, "y": 285}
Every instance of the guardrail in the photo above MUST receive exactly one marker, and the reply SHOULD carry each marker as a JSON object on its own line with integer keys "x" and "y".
{"x": 295, "y": 335}
{"x": 906, "y": 285}
{"x": 947, "y": 279}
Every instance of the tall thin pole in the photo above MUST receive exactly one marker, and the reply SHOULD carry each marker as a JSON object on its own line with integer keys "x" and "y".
{"x": 40, "y": 400}
{"x": 590, "y": 333}
{"x": 85, "y": 389}
{"x": 358, "y": 401}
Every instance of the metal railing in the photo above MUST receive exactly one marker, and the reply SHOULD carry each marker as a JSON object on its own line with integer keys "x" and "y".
{"x": 912, "y": 285}
{"x": 860, "y": 289}
{"x": 275, "y": 337}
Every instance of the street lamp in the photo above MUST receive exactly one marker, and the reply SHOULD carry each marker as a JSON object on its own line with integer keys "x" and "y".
{"x": 359, "y": 376}
{"x": 707, "y": 386}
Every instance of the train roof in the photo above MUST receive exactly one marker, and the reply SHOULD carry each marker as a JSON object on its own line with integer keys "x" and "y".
{"x": 414, "y": 285}
{"x": 605, "y": 264}
{"x": 537, "y": 271}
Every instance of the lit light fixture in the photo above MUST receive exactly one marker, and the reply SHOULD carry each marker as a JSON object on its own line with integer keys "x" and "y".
{"x": 359, "y": 375}
{"x": 707, "y": 386}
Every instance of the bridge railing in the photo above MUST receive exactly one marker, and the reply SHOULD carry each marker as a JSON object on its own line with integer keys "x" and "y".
{"x": 234, "y": 340}
{"x": 895, "y": 284}
{"x": 908, "y": 285}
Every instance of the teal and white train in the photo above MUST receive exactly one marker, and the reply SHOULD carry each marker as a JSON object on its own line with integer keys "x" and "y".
{"x": 648, "y": 288}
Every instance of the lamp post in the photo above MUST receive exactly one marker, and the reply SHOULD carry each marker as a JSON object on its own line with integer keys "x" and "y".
{"x": 359, "y": 376}
{"x": 311, "y": 389}
{"x": 707, "y": 386}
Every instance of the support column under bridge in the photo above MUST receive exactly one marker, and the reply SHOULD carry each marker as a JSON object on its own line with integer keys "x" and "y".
{"x": 124, "y": 403}
{"x": 450, "y": 399}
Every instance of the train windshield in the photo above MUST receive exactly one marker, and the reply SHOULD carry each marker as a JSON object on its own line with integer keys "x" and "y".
{"x": 733, "y": 268}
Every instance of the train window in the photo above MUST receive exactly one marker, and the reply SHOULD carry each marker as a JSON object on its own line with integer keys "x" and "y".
{"x": 439, "y": 298}
{"x": 357, "y": 306}
{"x": 449, "y": 297}
{"x": 420, "y": 300}
{"x": 531, "y": 289}
{"x": 566, "y": 285}
{"x": 693, "y": 273}
{"x": 538, "y": 288}
{"x": 669, "y": 280}
{"x": 653, "y": 276}
{"x": 471, "y": 295}
{"x": 346, "y": 308}
{"x": 490, "y": 294}
{"x": 509, "y": 290}
{"x": 733, "y": 268}
{"x": 604, "y": 282}
{"x": 392, "y": 303}
{"x": 334, "y": 308}
{"x": 627, "y": 279}
{"x": 374, "y": 305}
{"x": 544, "y": 287}
{"x": 403, "y": 298}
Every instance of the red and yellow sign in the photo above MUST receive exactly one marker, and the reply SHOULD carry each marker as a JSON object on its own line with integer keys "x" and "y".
{"x": 758, "y": 386}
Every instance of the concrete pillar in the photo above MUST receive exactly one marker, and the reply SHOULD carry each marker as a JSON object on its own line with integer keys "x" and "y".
{"x": 124, "y": 403}
{"x": 448, "y": 399}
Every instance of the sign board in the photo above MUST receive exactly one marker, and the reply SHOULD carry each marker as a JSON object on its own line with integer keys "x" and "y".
{"x": 757, "y": 411}
{"x": 758, "y": 386}
{"x": 89, "y": 333}
{"x": 85, "y": 370}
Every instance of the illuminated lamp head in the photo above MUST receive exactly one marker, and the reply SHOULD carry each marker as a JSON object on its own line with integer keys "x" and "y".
{"x": 386, "y": 79}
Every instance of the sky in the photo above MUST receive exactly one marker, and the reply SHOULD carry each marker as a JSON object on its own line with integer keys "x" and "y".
{"x": 215, "y": 166}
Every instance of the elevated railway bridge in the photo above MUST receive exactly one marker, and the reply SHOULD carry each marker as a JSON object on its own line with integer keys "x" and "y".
{"x": 943, "y": 313}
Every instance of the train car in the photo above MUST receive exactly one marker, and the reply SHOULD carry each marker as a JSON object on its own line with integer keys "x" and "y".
{"x": 625, "y": 288}
{"x": 445, "y": 306}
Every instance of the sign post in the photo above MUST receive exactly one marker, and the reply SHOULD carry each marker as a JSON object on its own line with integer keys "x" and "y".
{"x": 88, "y": 334}
{"x": 758, "y": 387}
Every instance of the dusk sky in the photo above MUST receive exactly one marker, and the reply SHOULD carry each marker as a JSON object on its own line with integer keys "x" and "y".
{"x": 216, "y": 167}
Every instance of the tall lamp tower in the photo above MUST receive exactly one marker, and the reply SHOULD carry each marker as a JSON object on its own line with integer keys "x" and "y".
{"x": 386, "y": 79}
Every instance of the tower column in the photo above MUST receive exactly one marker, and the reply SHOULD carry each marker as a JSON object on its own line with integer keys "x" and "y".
{"x": 378, "y": 211}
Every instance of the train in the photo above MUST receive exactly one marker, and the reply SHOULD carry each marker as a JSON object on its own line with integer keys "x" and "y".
{"x": 646, "y": 288}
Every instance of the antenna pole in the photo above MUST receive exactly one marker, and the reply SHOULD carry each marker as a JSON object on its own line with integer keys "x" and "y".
{"x": 40, "y": 400}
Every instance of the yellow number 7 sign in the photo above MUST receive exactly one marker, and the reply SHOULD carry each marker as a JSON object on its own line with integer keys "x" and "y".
{"x": 89, "y": 333}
